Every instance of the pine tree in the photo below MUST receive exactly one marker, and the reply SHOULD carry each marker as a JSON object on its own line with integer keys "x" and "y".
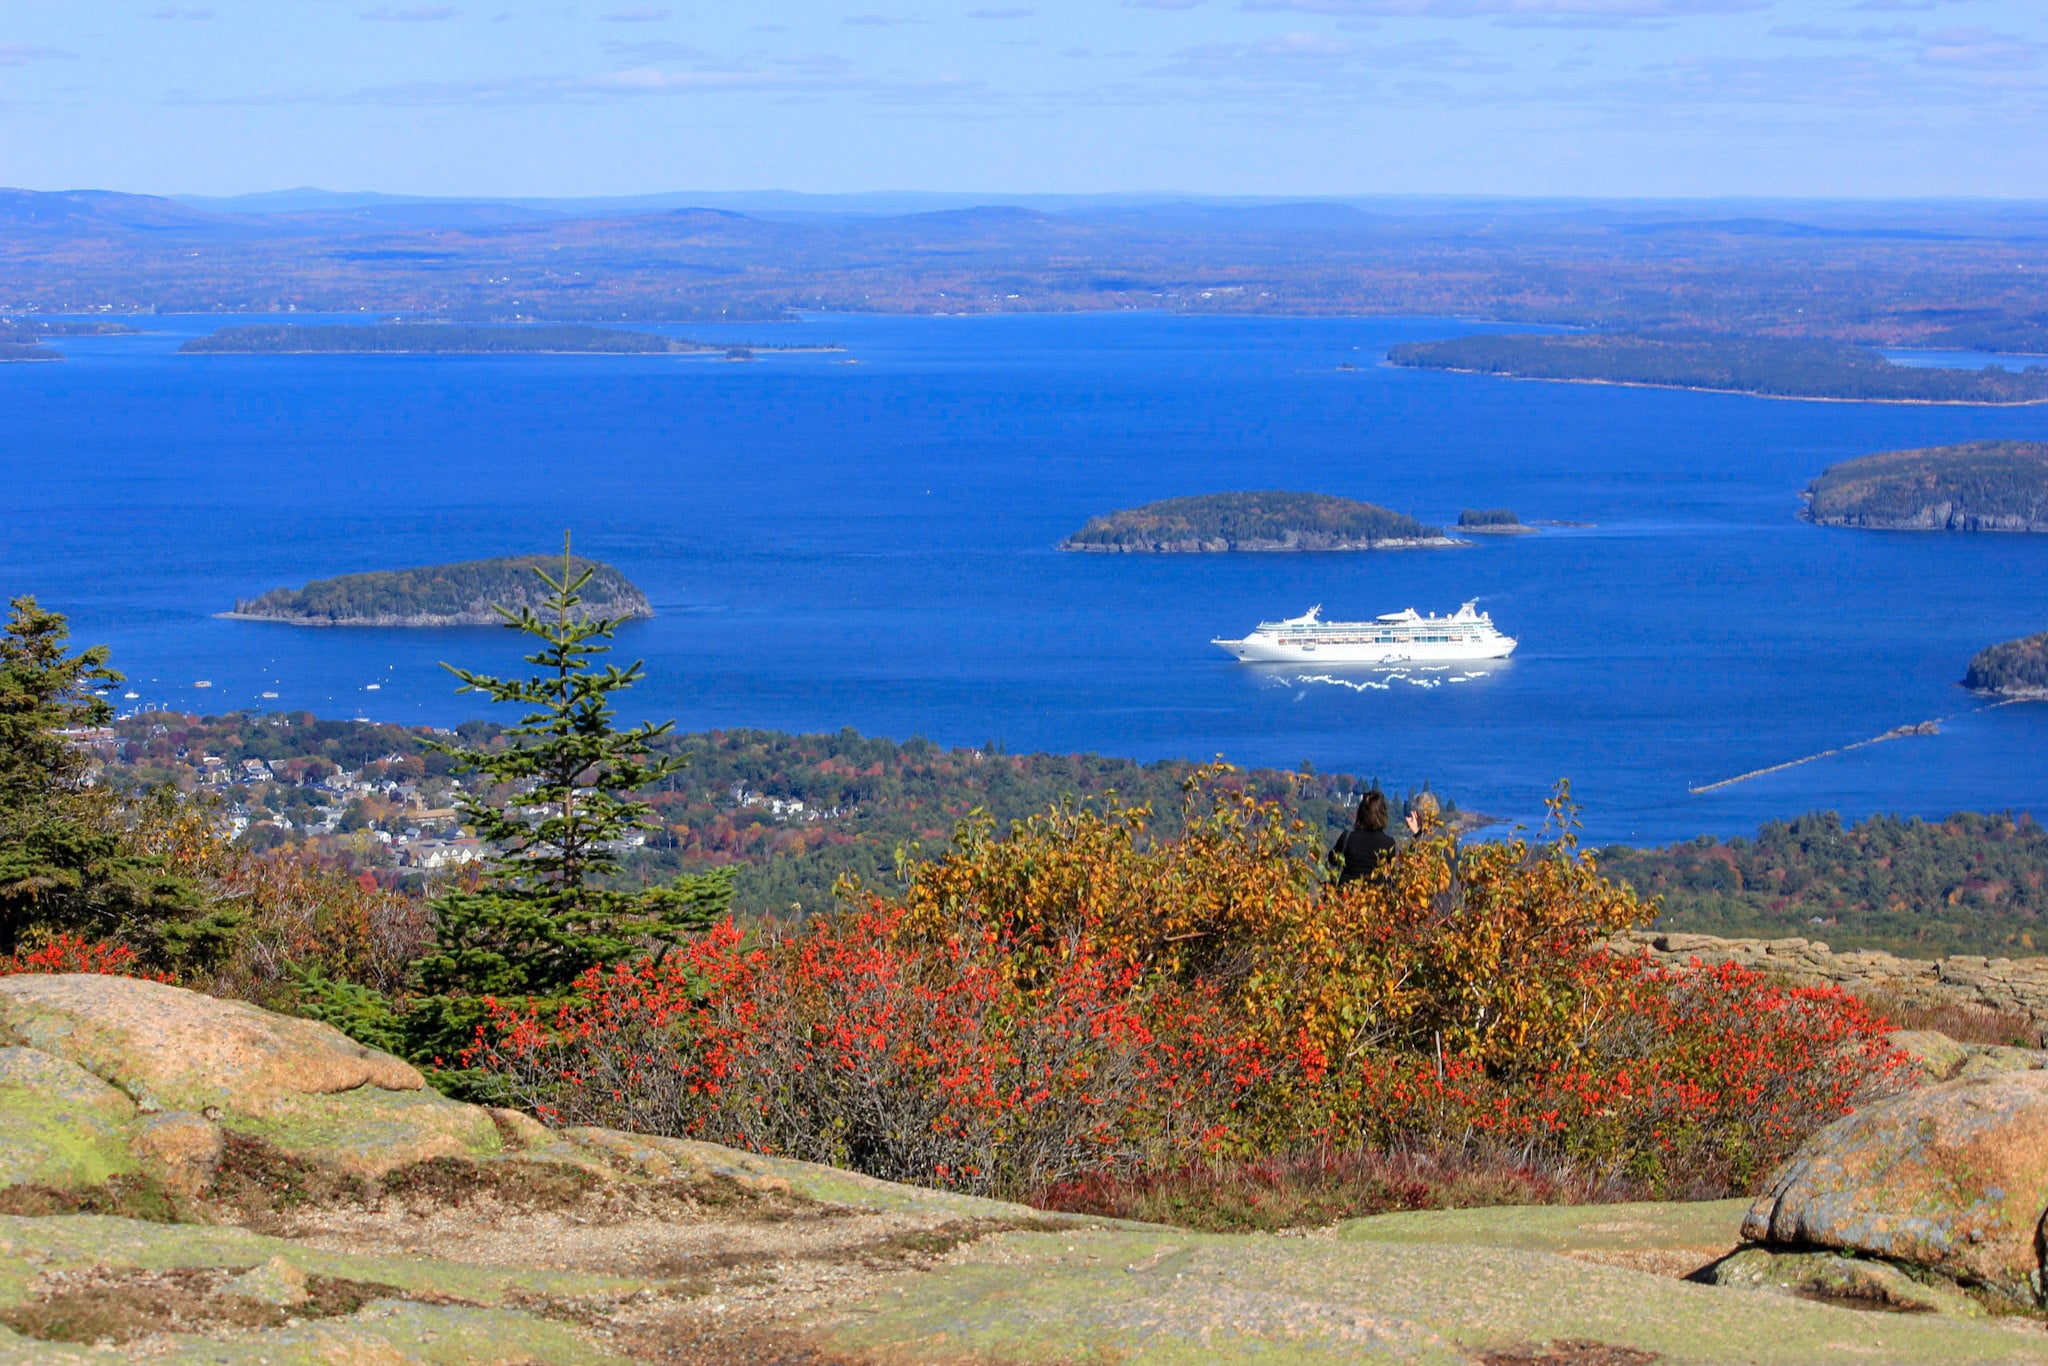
{"x": 67, "y": 862}
{"x": 547, "y": 908}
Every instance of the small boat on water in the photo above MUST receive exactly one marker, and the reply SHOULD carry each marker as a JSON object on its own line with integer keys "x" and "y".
{"x": 1405, "y": 637}
{"x": 203, "y": 683}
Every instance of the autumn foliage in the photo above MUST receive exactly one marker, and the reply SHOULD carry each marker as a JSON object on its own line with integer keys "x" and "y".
{"x": 74, "y": 953}
{"x": 1079, "y": 999}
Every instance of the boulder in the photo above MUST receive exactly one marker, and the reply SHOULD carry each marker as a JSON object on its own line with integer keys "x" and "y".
{"x": 172, "y": 1049}
{"x": 194, "y": 1065}
{"x": 179, "y": 1149}
{"x": 1953, "y": 1178}
{"x": 1834, "y": 1279}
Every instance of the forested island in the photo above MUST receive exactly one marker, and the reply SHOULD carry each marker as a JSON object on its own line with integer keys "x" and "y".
{"x": 1263, "y": 521}
{"x": 2012, "y": 668}
{"x": 1493, "y": 522}
{"x": 1767, "y": 367}
{"x": 465, "y": 594}
{"x": 1974, "y": 486}
{"x": 295, "y": 339}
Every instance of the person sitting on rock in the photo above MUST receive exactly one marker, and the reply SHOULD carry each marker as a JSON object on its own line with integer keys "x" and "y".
{"x": 1363, "y": 849}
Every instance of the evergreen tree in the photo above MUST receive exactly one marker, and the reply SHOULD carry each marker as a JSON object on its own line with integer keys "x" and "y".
{"x": 67, "y": 862}
{"x": 547, "y": 906}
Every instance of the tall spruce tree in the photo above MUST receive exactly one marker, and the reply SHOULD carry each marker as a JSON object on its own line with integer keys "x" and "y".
{"x": 547, "y": 907}
{"x": 67, "y": 861}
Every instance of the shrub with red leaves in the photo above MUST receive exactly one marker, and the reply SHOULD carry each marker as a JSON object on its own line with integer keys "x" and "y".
{"x": 843, "y": 1043}
{"x": 1081, "y": 999}
{"x": 72, "y": 953}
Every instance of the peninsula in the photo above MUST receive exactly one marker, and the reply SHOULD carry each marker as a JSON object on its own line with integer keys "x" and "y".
{"x": 465, "y": 594}
{"x": 295, "y": 339}
{"x": 22, "y": 338}
{"x": 1263, "y": 521}
{"x": 1975, "y": 486}
{"x": 2012, "y": 668}
{"x": 1766, "y": 367}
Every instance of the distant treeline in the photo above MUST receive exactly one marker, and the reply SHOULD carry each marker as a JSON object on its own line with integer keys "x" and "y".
{"x": 1973, "y": 486}
{"x": 442, "y": 595}
{"x": 2015, "y": 667}
{"x": 436, "y": 338}
{"x": 1267, "y": 520}
{"x": 1968, "y": 884}
{"x": 1767, "y": 366}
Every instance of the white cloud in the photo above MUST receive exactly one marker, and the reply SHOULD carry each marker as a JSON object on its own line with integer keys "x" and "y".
{"x": 21, "y": 54}
{"x": 1531, "y": 10}
{"x": 1978, "y": 48}
{"x": 409, "y": 14}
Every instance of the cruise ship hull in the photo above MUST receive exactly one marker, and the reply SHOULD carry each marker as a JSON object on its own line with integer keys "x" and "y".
{"x": 1256, "y": 650}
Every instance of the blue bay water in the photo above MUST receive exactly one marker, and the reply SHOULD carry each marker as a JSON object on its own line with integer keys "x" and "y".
{"x": 871, "y": 545}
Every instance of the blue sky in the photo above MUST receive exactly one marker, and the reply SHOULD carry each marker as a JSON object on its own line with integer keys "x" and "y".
{"x": 1311, "y": 97}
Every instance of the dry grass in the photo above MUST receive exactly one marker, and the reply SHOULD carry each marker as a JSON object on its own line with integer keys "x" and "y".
{"x": 1313, "y": 1190}
{"x": 119, "y": 1306}
{"x": 1964, "y": 1024}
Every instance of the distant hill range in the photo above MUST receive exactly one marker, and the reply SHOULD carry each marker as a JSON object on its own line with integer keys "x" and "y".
{"x": 1764, "y": 366}
{"x": 1922, "y": 274}
{"x": 1265, "y": 521}
{"x": 1975, "y": 486}
{"x": 2013, "y": 668}
{"x": 436, "y": 339}
{"x": 465, "y": 594}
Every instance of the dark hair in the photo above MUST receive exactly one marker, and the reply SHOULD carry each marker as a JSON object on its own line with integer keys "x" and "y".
{"x": 1372, "y": 810}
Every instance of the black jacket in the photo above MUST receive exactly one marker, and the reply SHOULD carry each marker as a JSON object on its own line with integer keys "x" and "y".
{"x": 1360, "y": 853}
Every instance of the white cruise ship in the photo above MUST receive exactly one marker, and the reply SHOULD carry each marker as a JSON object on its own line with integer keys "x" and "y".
{"x": 1396, "y": 638}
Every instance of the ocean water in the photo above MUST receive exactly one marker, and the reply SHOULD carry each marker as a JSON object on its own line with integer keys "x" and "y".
{"x": 871, "y": 545}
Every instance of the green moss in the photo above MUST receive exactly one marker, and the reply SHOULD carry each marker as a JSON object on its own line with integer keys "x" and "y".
{"x": 60, "y": 1126}
{"x": 369, "y": 1131}
{"x": 1643, "y": 1226}
{"x": 1161, "y": 1299}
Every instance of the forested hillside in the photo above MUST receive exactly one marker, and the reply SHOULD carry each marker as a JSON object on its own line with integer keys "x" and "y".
{"x": 1967, "y": 884}
{"x": 1972, "y": 486}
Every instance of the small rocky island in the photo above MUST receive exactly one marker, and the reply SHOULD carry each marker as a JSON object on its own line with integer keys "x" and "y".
{"x": 2012, "y": 668}
{"x": 1264, "y": 521}
{"x": 1493, "y": 522}
{"x": 465, "y": 594}
{"x": 1975, "y": 486}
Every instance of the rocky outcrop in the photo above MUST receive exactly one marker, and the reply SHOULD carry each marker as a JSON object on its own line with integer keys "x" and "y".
{"x": 1952, "y": 1178}
{"x": 147, "y": 1076}
{"x": 2017, "y": 986}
